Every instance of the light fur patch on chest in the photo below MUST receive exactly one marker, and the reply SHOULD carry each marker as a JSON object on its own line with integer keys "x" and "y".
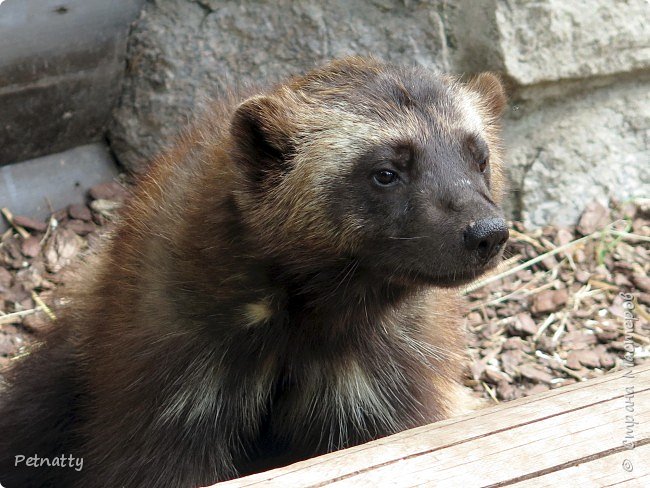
{"x": 356, "y": 390}
{"x": 258, "y": 313}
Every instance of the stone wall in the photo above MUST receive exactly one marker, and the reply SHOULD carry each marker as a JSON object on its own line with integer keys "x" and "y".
{"x": 579, "y": 75}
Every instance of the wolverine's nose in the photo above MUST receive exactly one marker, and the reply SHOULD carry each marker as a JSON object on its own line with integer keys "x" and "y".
{"x": 486, "y": 237}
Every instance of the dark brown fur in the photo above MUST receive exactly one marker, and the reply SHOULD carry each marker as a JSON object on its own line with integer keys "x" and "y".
{"x": 260, "y": 301}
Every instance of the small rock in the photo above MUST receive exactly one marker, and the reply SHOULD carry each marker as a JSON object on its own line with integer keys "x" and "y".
{"x": 105, "y": 207}
{"x": 80, "y": 227}
{"x": 617, "y": 345}
{"x": 588, "y": 358}
{"x": 546, "y": 344}
{"x": 524, "y": 275}
{"x": 61, "y": 248}
{"x": 8, "y": 346}
{"x": 549, "y": 262}
{"x": 642, "y": 255}
{"x": 642, "y": 282}
{"x": 616, "y": 308}
{"x": 510, "y": 361}
{"x": 621, "y": 281}
{"x": 567, "y": 277}
{"x": 642, "y": 208}
{"x": 572, "y": 361}
{"x": 31, "y": 224}
{"x": 607, "y": 334}
{"x": 5, "y": 278}
{"x": 644, "y": 298}
{"x": 549, "y": 301}
{"x": 98, "y": 218}
{"x": 60, "y": 215}
{"x": 31, "y": 246}
{"x": 94, "y": 239}
{"x": 535, "y": 373}
{"x": 564, "y": 236}
{"x": 583, "y": 313}
{"x": 524, "y": 325}
{"x": 582, "y": 275}
{"x": 490, "y": 352}
{"x": 37, "y": 322}
{"x": 4, "y": 363}
{"x": 505, "y": 391}
{"x": 514, "y": 343}
{"x": 108, "y": 191}
{"x": 602, "y": 273}
{"x": 624, "y": 267}
{"x": 474, "y": 318}
{"x": 508, "y": 286}
{"x": 578, "y": 339}
{"x": 594, "y": 217}
{"x": 80, "y": 212}
{"x": 493, "y": 375}
{"x": 628, "y": 210}
{"x": 31, "y": 277}
{"x": 549, "y": 232}
{"x": 607, "y": 360}
{"x": 640, "y": 226}
{"x": 477, "y": 368}
{"x": 26, "y": 303}
{"x": 489, "y": 330}
{"x": 16, "y": 293}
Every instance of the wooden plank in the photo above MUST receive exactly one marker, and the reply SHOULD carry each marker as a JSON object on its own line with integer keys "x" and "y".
{"x": 519, "y": 453}
{"x": 598, "y": 472}
{"x": 557, "y": 435}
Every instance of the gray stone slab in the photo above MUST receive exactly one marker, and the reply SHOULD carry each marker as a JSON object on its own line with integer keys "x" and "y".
{"x": 60, "y": 179}
{"x": 550, "y": 40}
{"x": 591, "y": 145}
{"x": 61, "y": 66}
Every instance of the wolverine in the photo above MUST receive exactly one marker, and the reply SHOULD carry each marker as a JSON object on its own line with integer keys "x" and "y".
{"x": 282, "y": 283}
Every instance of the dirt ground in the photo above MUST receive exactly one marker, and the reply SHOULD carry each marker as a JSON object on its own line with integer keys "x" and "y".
{"x": 553, "y": 314}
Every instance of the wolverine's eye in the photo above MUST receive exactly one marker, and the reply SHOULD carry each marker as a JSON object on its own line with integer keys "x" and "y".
{"x": 482, "y": 165}
{"x": 385, "y": 177}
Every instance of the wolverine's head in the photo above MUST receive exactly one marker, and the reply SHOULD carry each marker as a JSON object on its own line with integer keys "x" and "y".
{"x": 395, "y": 167}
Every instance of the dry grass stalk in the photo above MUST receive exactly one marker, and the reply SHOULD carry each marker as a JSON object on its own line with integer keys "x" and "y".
{"x": 10, "y": 218}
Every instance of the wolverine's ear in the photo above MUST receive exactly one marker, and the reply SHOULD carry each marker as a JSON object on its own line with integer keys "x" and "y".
{"x": 261, "y": 133}
{"x": 493, "y": 95}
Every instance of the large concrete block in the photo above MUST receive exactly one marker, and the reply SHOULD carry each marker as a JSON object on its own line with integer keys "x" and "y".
{"x": 593, "y": 144}
{"x": 37, "y": 187}
{"x": 549, "y": 40}
{"x": 184, "y": 51}
{"x": 61, "y": 63}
